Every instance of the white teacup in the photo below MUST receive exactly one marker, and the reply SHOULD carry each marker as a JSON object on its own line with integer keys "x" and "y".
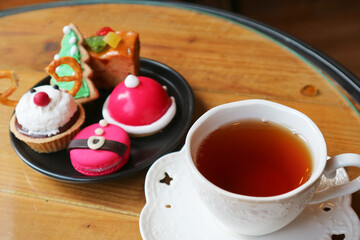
{"x": 248, "y": 215}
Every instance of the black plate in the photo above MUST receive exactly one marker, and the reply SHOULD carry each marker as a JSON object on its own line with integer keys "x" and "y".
{"x": 144, "y": 151}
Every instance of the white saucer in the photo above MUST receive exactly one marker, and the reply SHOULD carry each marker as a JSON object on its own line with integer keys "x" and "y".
{"x": 174, "y": 212}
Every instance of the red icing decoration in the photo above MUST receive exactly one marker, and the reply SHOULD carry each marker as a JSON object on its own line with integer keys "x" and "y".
{"x": 139, "y": 106}
{"x": 41, "y": 99}
{"x": 103, "y": 31}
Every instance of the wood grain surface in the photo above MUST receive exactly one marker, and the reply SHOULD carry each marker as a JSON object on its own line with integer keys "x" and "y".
{"x": 222, "y": 61}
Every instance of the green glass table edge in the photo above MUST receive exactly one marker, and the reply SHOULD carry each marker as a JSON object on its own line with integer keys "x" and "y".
{"x": 192, "y": 7}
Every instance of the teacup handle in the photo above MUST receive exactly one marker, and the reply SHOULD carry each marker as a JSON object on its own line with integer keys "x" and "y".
{"x": 341, "y": 160}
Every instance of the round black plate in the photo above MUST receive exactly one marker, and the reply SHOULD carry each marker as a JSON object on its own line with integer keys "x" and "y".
{"x": 144, "y": 151}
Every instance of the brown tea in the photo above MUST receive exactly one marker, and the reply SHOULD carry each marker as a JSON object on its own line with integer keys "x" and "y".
{"x": 254, "y": 158}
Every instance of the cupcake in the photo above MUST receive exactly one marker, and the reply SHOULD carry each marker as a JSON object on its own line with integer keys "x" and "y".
{"x": 140, "y": 105}
{"x": 46, "y": 117}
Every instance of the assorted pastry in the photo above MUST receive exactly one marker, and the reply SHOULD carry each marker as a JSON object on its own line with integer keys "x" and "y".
{"x": 113, "y": 56}
{"x": 72, "y": 45}
{"x": 47, "y": 117}
{"x": 99, "y": 149}
{"x": 140, "y": 105}
{"x": 50, "y": 118}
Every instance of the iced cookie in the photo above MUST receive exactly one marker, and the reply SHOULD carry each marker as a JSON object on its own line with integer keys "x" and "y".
{"x": 140, "y": 105}
{"x": 72, "y": 46}
{"x": 99, "y": 149}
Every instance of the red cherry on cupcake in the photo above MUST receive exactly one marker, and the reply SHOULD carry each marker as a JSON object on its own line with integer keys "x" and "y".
{"x": 41, "y": 99}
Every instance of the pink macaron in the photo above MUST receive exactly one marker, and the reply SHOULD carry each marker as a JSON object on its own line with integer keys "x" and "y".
{"x": 99, "y": 149}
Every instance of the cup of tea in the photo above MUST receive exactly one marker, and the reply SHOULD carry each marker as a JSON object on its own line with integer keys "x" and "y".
{"x": 256, "y": 165}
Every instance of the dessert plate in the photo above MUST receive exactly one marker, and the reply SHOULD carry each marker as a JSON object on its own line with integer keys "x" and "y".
{"x": 174, "y": 211}
{"x": 144, "y": 151}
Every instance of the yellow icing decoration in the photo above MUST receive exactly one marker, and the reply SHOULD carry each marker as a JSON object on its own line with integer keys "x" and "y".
{"x": 112, "y": 39}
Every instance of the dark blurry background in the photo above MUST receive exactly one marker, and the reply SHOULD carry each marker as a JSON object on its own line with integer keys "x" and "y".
{"x": 332, "y": 26}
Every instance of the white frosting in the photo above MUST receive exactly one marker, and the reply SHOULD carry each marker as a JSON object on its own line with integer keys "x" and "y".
{"x": 72, "y": 40}
{"x": 131, "y": 81}
{"x": 95, "y": 142}
{"x": 56, "y": 56}
{"x": 144, "y": 129}
{"x": 73, "y": 50}
{"x": 103, "y": 123}
{"x": 45, "y": 120}
{"x": 66, "y": 30}
{"x": 110, "y": 53}
{"x": 99, "y": 131}
{"x": 102, "y": 168}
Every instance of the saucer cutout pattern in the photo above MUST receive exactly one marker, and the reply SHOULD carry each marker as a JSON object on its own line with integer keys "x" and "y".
{"x": 173, "y": 210}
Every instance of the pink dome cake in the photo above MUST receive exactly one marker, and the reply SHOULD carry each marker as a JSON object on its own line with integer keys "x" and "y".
{"x": 140, "y": 105}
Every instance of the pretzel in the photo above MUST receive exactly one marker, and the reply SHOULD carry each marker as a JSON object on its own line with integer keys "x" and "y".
{"x": 7, "y": 74}
{"x": 77, "y": 78}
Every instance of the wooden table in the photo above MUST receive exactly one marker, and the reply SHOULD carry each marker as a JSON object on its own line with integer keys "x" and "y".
{"x": 223, "y": 61}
